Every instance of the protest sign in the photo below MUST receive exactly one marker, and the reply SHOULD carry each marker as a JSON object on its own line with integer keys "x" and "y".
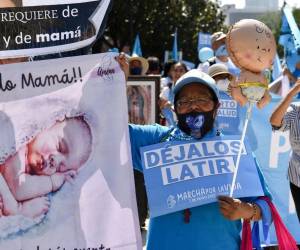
{"x": 182, "y": 175}
{"x": 229, "y": 115}
{"x": 47, "y": 27}
{"x": 75, "y": 190}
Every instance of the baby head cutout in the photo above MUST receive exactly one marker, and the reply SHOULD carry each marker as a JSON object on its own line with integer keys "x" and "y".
{"x": 251, "y": 47}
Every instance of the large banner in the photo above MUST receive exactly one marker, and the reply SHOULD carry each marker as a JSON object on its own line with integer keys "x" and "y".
{"x": 182, "y": 175}
{"x": 66, "y": 177}
{"x": 34, "y": 27}
{"x": 272, "y": 152}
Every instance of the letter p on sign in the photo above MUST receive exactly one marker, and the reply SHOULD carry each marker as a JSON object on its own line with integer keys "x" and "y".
{"x": 279, "y": 144}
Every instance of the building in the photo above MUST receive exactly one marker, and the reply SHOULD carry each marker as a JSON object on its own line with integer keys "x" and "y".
{"x": 253, "y": 9}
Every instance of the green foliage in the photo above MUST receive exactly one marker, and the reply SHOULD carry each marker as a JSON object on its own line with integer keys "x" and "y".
{"x": 156, "y": 21}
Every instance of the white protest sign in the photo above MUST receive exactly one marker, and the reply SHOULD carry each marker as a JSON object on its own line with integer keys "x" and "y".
{"x": 75, "y": 190}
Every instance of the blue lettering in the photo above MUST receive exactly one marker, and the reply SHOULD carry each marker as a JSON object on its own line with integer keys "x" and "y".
{"x": 193, "y": 151}
{"x": 186, "y": 172}
{"x": 166, "y": 156}
{"x": 222, "y": 166}
{"x": 205, "y": 150}
{"x": 199, "y": 165}
{"x": 181, "y": 156}
{"x": 152, "y": 159}
{"x": 169, "y": 176}
{"x": 221, "y": 148}
{"x": 211, "y": 166}
{"x": 235, "y": 145}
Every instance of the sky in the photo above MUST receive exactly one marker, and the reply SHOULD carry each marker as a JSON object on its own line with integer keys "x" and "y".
{"x": 241, "y": 3}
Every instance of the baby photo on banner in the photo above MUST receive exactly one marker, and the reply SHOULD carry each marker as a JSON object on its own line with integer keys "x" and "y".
{"x": 66, "y": 177}
{"x": 34, "y": 27}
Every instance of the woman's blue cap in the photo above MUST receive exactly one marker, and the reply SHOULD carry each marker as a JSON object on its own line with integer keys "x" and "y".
{"x": 196, "y": 76}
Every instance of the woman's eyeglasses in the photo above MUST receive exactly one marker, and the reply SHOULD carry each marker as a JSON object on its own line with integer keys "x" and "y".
{"x": 200, "y": 102}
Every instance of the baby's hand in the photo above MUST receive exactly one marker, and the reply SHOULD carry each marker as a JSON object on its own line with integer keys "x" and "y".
{"x": 264, "y": 100}
{"x": 57, "y": 181}
{"x": 236, "y": 92}
{"x": 70, "y": 176}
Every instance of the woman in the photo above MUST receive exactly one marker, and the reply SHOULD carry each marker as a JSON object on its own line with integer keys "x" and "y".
{"x": 166, "y": 100}
{"x": 286, "y": 117}
{"x": 196, "y": 227}
{"x": 195, "y": 95}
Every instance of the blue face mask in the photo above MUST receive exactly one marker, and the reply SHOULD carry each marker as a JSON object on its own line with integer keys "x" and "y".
{"x": 221, "y": 51}
{"x": 196, "y": 124}
{"x": 136, "y": 71}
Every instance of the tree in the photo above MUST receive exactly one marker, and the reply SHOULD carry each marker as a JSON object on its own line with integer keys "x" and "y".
{"x": 156, "y": 21}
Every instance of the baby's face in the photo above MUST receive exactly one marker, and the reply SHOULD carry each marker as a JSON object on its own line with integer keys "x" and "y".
{"x": 63, "y": 147}
{"x": 252, "y": 45}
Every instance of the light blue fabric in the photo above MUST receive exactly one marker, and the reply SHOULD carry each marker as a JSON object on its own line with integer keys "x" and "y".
{"x": 144, "y": 135}
{"x": 207, "y": 228}
{"x": 229, "y": 118}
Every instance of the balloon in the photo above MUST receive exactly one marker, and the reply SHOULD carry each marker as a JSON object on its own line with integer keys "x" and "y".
{"x": 205, "y": 53}
{"x": 252, "y": 47}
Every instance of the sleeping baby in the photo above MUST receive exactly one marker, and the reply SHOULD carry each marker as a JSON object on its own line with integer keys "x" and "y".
{"x": 43, "y": 166}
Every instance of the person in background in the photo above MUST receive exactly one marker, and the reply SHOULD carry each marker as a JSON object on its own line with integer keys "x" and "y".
{"x": 138, "y": 65}
{"x": 154, "y": 66}
{"x": 221, "y": 54}
{"x": 168, "y": 74}
{"x": 286, "y": 117}
{"x": 166, "y": 96}
{"x": 126, "y": 49}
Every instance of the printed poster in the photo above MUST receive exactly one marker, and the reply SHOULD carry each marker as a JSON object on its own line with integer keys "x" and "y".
{"x": 32, "y": 27}
{"x": 66, "y": 177}
{"x": 180, "y": 175}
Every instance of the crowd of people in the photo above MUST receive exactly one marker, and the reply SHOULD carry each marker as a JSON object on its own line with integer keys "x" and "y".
{"x": 187, "y": 95}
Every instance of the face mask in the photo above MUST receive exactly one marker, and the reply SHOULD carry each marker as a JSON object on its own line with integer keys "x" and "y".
{"x": 196, "y": 124}
{"x": 136, "y": 71}
{"x": 222, "y": 84}
{"x": 221, "y": 51}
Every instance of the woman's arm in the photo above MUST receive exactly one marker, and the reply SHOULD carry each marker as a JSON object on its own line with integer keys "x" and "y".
{"x": 279, "y": 112}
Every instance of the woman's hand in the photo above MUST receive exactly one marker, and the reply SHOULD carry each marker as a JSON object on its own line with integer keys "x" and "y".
{"x": 296, "y": 88}
{"x": 123, "y": 62}
{"x": 235, "y": 209}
